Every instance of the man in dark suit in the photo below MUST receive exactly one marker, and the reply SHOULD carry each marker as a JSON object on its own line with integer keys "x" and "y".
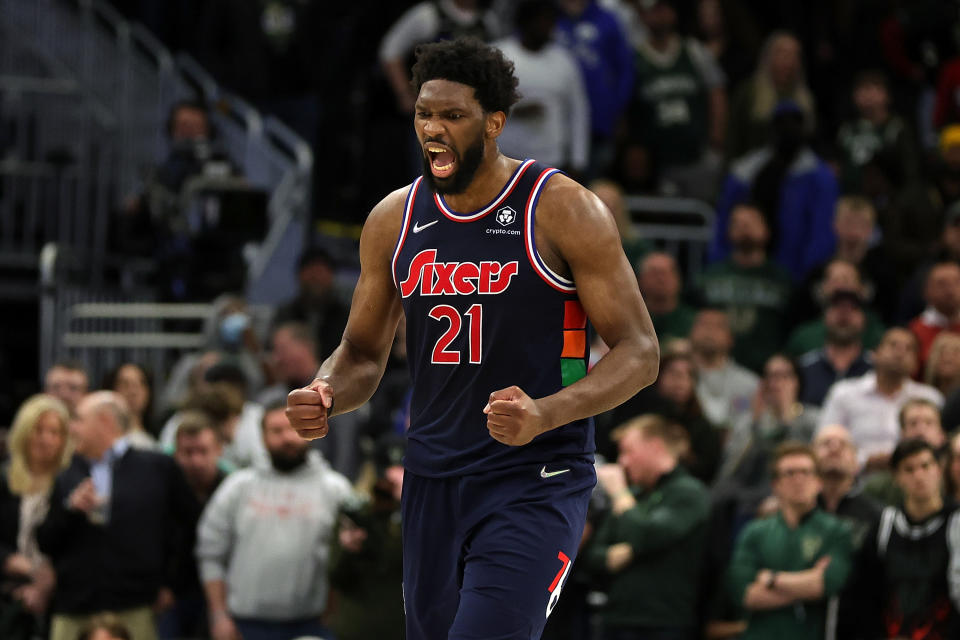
{"x": 118, "y": 521}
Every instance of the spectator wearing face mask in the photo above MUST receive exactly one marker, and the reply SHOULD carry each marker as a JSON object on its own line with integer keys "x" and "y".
{"x": 231, "y": 337}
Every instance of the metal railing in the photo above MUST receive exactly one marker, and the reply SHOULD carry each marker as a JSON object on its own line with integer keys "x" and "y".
{"x": 683, "y": 227}
{"x": 102, "y": 330}
{"x": 86, "y": 95}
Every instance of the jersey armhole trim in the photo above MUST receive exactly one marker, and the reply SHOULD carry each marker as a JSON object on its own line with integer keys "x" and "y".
{"x": 553, "y": 279}
{"x": 407, "y": 214}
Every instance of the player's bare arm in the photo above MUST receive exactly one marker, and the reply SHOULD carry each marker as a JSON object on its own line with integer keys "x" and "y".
{"x": 578, "y": 238}
{"x": 351, "y": 374}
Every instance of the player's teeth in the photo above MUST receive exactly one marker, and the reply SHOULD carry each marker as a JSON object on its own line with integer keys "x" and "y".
{"x": 444, "y": 167}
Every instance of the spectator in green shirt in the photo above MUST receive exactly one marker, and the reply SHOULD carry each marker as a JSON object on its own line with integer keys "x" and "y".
{"x": 651, "y": 545}
{"x": 753, "y": 289}
{"x": 785, "y": 567}
{"x": 660, "y": 285}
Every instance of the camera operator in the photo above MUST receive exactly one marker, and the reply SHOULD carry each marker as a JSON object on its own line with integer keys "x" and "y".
{"x": 365, "y": 558}
{"x": 179, "y": 217}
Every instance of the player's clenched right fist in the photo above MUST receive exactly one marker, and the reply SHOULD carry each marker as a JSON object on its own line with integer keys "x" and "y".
{"x": 308, "y": 408}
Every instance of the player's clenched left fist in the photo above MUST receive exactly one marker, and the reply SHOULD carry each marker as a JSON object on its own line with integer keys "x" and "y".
{"x": 308, "y": 409}
{"x": 513, "y": 417}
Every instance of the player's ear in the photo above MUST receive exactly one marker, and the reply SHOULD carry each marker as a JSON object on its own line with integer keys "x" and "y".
{"x": 494, "y": 124}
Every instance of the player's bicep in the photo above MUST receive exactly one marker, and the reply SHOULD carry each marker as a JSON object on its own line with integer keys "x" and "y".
{"x": 588, "y": 240}
{"x": 375, "y": 310}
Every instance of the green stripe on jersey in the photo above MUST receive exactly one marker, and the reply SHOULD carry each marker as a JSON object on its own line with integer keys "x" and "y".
{"x": 571, "y": 370}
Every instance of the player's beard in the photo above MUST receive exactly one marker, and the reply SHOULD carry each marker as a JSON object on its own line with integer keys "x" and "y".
{"x": 466, "y": 168}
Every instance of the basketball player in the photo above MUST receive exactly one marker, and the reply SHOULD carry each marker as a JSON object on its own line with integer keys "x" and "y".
{"x": 497, "y": 264}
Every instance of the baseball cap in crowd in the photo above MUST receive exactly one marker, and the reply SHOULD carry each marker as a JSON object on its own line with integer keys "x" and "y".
{"x": 845, "y": 295}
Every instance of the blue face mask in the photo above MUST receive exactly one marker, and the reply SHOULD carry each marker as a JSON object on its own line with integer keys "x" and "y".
{"x": 232, "y": 328}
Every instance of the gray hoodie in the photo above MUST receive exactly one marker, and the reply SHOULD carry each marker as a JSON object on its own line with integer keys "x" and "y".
{"x": 267, "y": 535}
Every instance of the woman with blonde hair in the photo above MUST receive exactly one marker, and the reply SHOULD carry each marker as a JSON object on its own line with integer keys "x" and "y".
{"x": 39, "y": 448}
{"x": 943, "y": 363}
{"x": 779, "y": 76}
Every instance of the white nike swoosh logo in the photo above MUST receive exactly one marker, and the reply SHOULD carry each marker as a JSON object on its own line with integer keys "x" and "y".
{"x": 417, "y": 227}
{"x": 549, "y": 474}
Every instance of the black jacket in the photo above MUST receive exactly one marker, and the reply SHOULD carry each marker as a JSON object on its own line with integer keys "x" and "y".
{"x": 124, "y": 563}
{"x": 9, "y": 519}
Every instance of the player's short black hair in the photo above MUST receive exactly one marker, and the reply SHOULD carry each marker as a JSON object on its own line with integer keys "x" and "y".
{"x": 473, "y": 63}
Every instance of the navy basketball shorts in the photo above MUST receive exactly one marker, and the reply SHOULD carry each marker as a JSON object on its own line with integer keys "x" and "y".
{"x": 486, "y": 555}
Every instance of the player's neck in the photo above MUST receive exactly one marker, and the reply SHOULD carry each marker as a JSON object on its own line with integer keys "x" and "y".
{"x": 488, "y": 181}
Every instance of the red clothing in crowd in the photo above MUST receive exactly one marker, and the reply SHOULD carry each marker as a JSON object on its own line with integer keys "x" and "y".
{"x": 926, "y": 327}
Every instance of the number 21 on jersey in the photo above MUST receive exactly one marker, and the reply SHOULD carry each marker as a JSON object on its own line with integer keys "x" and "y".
{"x": 474, "y": 317}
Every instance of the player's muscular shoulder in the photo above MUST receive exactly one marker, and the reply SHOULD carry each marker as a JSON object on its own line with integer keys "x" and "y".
{"x": 382, "y": 227}
{"x": 570, "y": 219}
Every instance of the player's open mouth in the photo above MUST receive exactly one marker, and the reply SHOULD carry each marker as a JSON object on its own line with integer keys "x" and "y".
{"x": 443, "y": 161}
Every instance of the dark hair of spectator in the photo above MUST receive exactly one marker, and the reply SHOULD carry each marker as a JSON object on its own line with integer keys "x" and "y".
{"x": 790, "y": 448}
{"x": 110, "y": 383}
{"x": 471, "y": 62}
{"x": 909, "y": 448}
{"x": 872, "y": 77}
{"x": 915, "y": 402}
{"x": 312, "y": 255}
{"x": 227, "y": 372}
{"x": 108, "y": 623}
{"x": 219, "y": 402}
{"x": 902, "y": 329}
{"x": 793, "y": 368}
{"x": 529, "y": 10}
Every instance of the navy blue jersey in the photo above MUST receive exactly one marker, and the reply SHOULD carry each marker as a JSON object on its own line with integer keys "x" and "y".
{"x": 484, "y": 312}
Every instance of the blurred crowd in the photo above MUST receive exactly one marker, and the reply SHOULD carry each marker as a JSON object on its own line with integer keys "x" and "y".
{"x": 795, "y": 469}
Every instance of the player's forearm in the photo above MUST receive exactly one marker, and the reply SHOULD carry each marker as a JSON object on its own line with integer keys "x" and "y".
{"x": 629, "y": 366}
{"x": 353, "y": 375}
